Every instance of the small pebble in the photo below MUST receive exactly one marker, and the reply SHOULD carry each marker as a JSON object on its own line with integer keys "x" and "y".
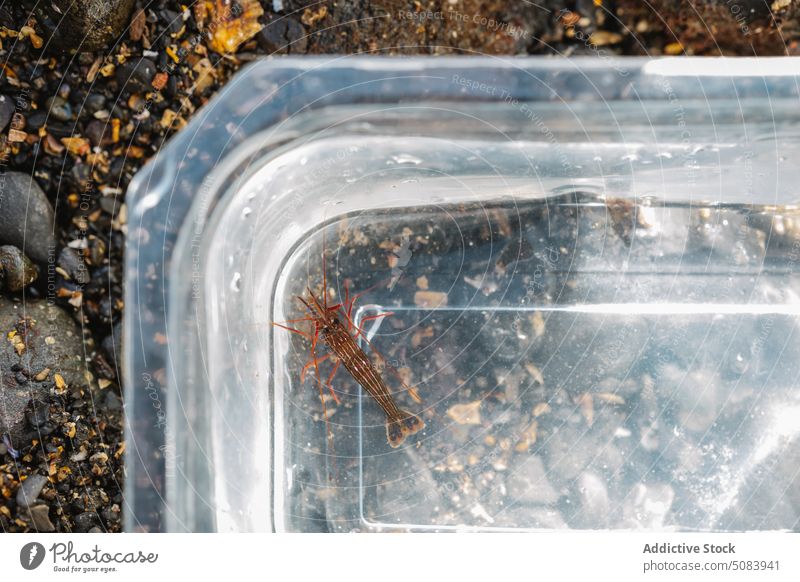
{"x": 528, "y": 483}
{"x": 30, "y": 489}
{"x": 94, "y": 102}
{"x": 16, "y": 270}
{"x": 73, "y": 265}
{"x": 26, "y": 217}
{"x": 86, "y": 521}
{"x": 282, "y": 36}
{"x": 39, "y": 415}
{"x": 6, "y": 111}
{"x": 40, "y": 516}
{"x": 136, "y": 75}
{"x": 59, "y": 108}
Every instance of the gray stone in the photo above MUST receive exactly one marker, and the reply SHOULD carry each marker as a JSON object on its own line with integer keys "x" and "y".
{"x": 30, "y": 489}
{"x": 59, "y": 108}
{"x": 16, "y": 270}
{"x": 6, "y": 110}
{"x": 73, "y": 265}
{"x": 136, "y": 75}
{"x": 407, "y": 493}
{"x": 26, "y": 216}
{"x": 283, "y": 35}
{"x": 87, "y": 26}
{"x": 40, "y": 518}
{"x": 39, "y": 414}
{"x": 113, "y": 402}
{"x": 48, "y": 342}
{"x": 529, "y": 484}
{"x": 86, "y": 521}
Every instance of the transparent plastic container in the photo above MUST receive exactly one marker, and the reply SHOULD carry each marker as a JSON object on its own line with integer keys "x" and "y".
{"x": 591, "y": 267}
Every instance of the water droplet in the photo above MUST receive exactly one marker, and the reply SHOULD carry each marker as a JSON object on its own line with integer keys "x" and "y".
{"x": 246, "y": 211}
{"x": 236, "y": 282}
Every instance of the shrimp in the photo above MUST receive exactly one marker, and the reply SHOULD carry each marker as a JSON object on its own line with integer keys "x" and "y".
{"x": 334, "y": 324}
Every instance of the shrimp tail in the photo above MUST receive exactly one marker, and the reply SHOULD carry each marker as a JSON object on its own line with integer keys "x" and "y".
{"x": 397, "y": 429}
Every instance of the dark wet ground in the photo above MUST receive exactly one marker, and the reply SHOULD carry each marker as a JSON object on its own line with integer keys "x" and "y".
{"x": 84, "y": 103}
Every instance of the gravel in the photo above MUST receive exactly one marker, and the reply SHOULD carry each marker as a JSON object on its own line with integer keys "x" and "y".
{"x": 26, "y": 216}
{"x": 109, "y": 97}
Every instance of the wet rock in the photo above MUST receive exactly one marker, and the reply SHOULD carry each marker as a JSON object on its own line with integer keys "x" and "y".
{"x": 136, "y": 75}
{"x": 26, "y": 216}
{"x": 59, "y": 108}
{"x": 282, "y": 36}
{"x": 528, "y": 483}
{"x": 113, "y": 402}
{"x": 86, "y": 521}
{"x": 36, "y": 120}
{"x": 30, "y": 489}
{"x": 111, "y": 514}
{"x": 87, "y": 26}
{"x": 45, "y": 341}
{"x": 94, "y": 102}
{"x": 73, "y": 265}
{"x": 40, "y": 518}
{"x": 91, "y": 500}
{"x": 409, "y": 496}
{"x": 6, "y": 110}
{"x": 16, "y": 270}
{"x": 39, "y": 414}
{"x": 98, "y": 132}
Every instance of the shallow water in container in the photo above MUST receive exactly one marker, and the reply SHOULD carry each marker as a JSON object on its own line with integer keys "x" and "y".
{"x": 580, "y": 362}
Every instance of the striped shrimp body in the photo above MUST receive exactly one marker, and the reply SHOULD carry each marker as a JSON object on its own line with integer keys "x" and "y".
{"x": 339, "y": 340}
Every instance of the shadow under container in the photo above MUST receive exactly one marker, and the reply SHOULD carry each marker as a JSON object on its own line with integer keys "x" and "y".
{"x": 591, "y": 267}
